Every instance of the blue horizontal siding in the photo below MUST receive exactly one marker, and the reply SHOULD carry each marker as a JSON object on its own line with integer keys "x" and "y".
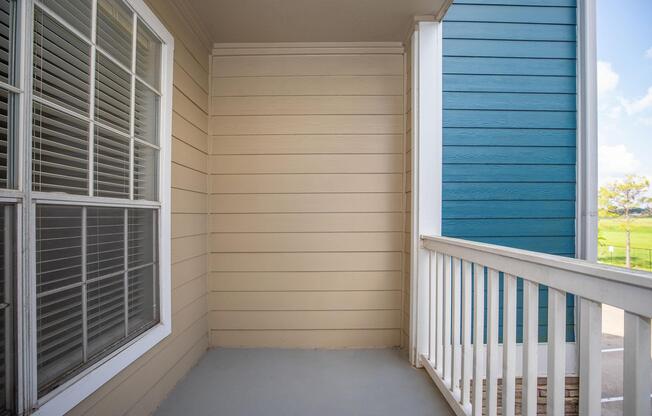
{"x": 508, "y": 137}
{"x": 509, "y": 31}
{"x": 508, "y": 66}
{"x": 462, "y": 172}
{"x": 500, "y": 191}
{"x": 510, "y": 227}
{"x": 507, "y": 210}
{"x": 548, "y": 245}
{"x": 509, "y": 101}
{"x": 516, "y": 49}
{"x": 510, "y": 83}
{"x": 509, "y": 119}
{"x": 511, "y": 14}
{"x": 510, "y": 128}
{"x": 511, "y": 155}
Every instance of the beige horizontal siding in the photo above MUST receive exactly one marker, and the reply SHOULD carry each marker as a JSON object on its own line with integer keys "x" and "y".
{"x": 307, "y": 144}
{"x": 306, "y": 196}
{"x": 305, "y": 281}
{"x": 139, "y": 388}
{"x": 308, "y": 64}
{"x": 306, "y": 183}
{"x": 388, "y": 85}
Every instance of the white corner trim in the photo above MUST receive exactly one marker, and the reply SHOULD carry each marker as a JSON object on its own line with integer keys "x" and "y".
{"x": 426, "y": 174}
{"x": 586, "y": 240}
{"x": 67, "y": 396}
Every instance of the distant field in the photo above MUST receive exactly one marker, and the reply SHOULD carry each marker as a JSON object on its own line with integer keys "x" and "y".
{"x": 613, "y": 234}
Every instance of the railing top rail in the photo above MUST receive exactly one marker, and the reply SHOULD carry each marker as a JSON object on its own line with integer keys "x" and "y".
{"x": 626, "y": 289}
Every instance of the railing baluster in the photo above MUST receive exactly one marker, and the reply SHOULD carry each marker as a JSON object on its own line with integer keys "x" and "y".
{"x": 590, "y": 357}
{"x": 456, "y": 359}
{"x": 432, "y": 295}
{"x": 492, "y": 342}
{"x": 478, "y": 337}
{"x": 530, "y": 344}
{"x": 466, "y": 333}
{"x": 636, "y": 368}
{"x": 556, "y": 351}
{"x": 509, "y": 345}
{"x": 439, "y": 337}
{"x": 447, "y": 321}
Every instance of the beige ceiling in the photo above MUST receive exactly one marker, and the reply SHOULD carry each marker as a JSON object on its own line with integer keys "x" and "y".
{"x": 310, "y": 20}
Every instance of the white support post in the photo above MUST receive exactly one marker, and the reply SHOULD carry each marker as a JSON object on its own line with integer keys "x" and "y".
{"x": 636, "y": 366}
{"x": 587, "y": 133}
{"x": 426, "y": 175}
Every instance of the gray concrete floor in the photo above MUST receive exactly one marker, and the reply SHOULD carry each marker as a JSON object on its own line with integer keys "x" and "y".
{"x": 250, "y": 382}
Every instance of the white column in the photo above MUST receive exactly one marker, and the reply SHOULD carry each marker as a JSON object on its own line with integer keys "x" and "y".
{"x": 426, "y": 174}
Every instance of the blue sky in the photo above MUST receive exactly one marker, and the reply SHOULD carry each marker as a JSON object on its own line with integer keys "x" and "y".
{"x": 624, "y": 88}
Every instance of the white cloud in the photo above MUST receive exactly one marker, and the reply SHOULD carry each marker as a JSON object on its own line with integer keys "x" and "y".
{"x": 648, "y": 53}
{"x": 637, "y": 106}
{"x": 607, "y": 77}
{"x": 616, "y": 161}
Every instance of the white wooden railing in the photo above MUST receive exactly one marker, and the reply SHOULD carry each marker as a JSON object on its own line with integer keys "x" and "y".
{"x": 456, "y": 316}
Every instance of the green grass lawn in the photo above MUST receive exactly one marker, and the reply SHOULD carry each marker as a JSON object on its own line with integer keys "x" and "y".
{"x": 612, "y": 234}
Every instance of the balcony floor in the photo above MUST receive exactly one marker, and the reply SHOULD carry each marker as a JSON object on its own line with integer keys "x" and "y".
{"x": 230, "y": 382}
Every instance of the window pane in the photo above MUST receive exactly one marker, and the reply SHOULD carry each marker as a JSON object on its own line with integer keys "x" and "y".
{"x": 7, "y": 328}
{"x": 106, "y": 313}
{"x": 148, "y": 56}
{"x": 61, "y": 64}
{"x": 106, "y": 277}
{"x": 145, "y": 172}
{"x": 77, "y": 13}
{"x": 59, "y": 342}
{"x": 120, "y": 303}
{"x": 142, "y": 237}
{"x": 143, "y": 287}
{"x": 7, "y": 141}
{"x": 59, "y": 152}
{"x": 112, "y": 94}
{"x": 58, "y": 246}
{"x": 114, "y": 30}
{"x": 7, "y": 25}
{"x": 146, "y": 114}
{"x": 143, "y": 299}
{"x": 59, "y": 292}
{"x": 105, "y": 242}
{"x": 111, "y": 164}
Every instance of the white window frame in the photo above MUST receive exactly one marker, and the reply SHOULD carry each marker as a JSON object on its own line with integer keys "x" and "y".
{"x": 80, "y": 386}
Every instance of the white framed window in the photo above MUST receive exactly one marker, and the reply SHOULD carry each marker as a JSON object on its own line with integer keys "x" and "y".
{"x": 85, "y": 126}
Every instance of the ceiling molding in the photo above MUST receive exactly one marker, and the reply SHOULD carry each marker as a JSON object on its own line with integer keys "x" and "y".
{"x": 442, "y": 11}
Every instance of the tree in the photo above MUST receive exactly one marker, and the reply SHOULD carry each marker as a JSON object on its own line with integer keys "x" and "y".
{"x": 623, "y": 198}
